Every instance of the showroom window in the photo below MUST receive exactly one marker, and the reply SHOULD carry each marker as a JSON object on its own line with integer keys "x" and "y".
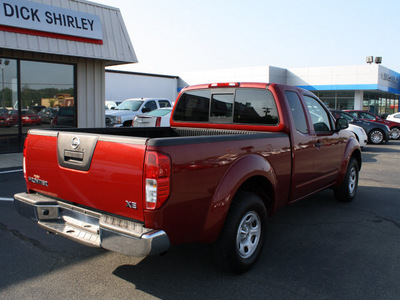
{"x": 47, "y": 99}
{"x": 336, "y": 99}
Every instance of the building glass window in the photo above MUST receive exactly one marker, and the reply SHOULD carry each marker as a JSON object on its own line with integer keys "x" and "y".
{"x": 53, "y": 88}
{"x": 8, "y": 103}
{"x": 381, "y": 103}
{"x": 341, "y": 100}
{"x": 47, "y": 99}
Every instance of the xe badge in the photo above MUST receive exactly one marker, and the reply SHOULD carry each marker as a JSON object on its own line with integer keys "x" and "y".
{"x": 131, "y": 204}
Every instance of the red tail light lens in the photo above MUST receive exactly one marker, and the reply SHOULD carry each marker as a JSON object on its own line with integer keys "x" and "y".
{"x": 24, "y": 157}
{"x": 158, "y": 122}
{"x": 157, "y": 174}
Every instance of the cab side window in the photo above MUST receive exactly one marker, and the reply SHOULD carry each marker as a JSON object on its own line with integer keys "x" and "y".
{"x": 319, "y": 116}
{"x": 164, "y": 103}
{"x": 152, "y": 105}
{"x": 297, "y": 110}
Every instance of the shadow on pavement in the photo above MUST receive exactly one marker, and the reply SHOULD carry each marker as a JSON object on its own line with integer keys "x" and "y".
{"x": 315, "y": 248}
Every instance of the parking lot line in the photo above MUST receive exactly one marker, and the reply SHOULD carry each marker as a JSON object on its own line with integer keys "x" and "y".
{"x": 6, "y": 199}
{"x": 11, "y": 171}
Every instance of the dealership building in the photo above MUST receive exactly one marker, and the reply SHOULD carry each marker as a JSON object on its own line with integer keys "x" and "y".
{"x": 54, "y": 56}
{"x": 53, "y": 61}
{"x": 371, "y": 87}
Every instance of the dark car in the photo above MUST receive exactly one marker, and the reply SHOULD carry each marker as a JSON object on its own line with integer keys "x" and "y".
{"x": 367, "y": 116}
{"x": 36, "y": 108}
{"x": 377, "y": 133}
{"x": 65, "y": 117}
{"x": 48, "y": 114}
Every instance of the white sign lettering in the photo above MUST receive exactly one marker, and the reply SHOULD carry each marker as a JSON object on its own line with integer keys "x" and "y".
{"x": 41, "y": 17}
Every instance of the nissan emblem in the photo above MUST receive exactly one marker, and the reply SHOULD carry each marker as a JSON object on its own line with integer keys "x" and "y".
{"x": 75, "y": 142}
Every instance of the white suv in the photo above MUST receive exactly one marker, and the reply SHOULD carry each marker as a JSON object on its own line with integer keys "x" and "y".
{"x": 124, "y": 113}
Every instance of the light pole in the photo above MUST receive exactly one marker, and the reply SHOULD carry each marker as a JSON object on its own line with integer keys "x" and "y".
{"x": 3, "y": 63}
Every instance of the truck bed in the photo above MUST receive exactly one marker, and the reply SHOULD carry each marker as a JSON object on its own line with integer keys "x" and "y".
{"x": 106, "y": 170}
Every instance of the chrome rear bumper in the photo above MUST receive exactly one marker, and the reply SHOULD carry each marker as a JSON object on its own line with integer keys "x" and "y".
{"x": 91, "y": 228}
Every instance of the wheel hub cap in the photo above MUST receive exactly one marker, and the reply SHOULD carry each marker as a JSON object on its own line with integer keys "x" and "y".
{"x": 248, "y": 235}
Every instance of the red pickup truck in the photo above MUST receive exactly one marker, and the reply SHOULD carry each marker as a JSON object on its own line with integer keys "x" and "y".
{"x": 234, "y": 154}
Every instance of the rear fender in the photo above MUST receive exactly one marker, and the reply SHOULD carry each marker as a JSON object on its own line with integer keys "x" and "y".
{"x": 242, "y": 170}
{"x": 352, "y": 150}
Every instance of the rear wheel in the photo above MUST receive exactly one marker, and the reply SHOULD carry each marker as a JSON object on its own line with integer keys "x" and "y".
{"x": 376, "y": 136}
{"x": 348, "y": 190}
{"x": 243, "y": 235}
{"x": 395, "y": 133}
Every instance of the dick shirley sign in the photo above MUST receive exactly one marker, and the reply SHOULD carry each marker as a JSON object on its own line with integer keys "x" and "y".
{"x": 45, "y": 18}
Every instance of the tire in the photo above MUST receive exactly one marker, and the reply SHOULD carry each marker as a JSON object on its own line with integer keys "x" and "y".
{"x": 348, "y": 190}
{"x": 395, "y": 133}
{"x": 243, "y": 235}
{"x": 376, "y": 136}
{"x": 127, "y": 124}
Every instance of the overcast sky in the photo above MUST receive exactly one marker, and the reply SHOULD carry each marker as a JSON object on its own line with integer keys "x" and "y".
{"x": 170, "y": 36}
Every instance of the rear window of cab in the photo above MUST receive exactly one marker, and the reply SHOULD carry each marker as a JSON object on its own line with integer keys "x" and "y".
{"x": 227, "y": 106}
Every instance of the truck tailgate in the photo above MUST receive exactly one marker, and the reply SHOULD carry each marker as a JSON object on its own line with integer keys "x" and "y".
{"x": 100, "y": 172}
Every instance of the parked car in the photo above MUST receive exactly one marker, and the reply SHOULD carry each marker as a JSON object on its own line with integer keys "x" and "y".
{"x": 377, "y": 133}
{"x": 5, "y": 120}
{"x": 64, "y": 117}
{"x": 48, "y": 114}
{"x": 394, "y": 117}
{"x": 28, "y": 117}
{"x": 124, "y": 113}
{"x": 156, "y": 118}
{"x": 360, "y": 134}
{"x": 367, "y": 116}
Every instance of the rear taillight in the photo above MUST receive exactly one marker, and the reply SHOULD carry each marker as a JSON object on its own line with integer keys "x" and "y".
{"x": 158, "y": 122}
{"x": 24, "y": 157}
{"x": 224, "y": 84}
{"x": 157, "y": 174}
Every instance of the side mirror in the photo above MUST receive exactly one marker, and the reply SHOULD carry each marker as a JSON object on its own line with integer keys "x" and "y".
{"x": 341, "y": 123}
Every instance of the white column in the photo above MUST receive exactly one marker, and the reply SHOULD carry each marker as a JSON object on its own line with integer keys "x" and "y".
{"x": 358, "y": 99}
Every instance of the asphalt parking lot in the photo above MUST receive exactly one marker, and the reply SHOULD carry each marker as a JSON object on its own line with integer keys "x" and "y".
{"x": 316, "y": 249}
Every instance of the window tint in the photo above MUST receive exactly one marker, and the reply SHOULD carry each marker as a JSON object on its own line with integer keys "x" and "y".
{"x": 255, "y": 106}
{"x": 319, "y": 116}
{"x": 164, "y": 103}
{"x": 152, "y": 105}
{"x": 193, "y": 106}
{"x": 221, "y": 108}
{"x": 367, "y": 116}
{"x": 353, "y": 113}
{"x": 132, "y": 105}
{"x": 341, "y": 114}
{"x": 297, "y": 111}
